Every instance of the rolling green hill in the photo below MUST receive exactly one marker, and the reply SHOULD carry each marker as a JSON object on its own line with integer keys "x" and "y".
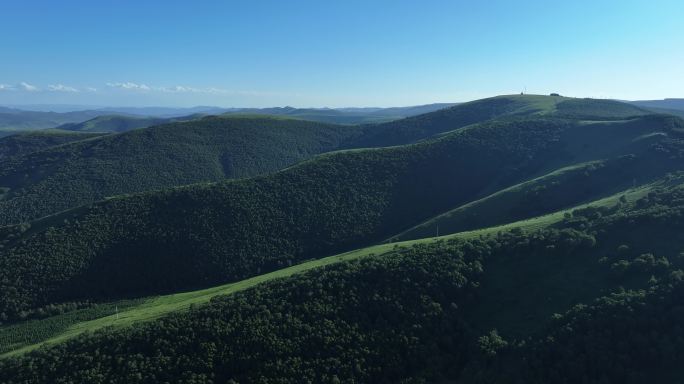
{"x": 20, "y": 338}
{"x": 209, "y": 149}
{"x": 24, "y": 143}
{"x": 15, "y": 120}
{"x": 477, "y": 308}
{"x": 203, "y": 235}
{"x": 344, "y": 115}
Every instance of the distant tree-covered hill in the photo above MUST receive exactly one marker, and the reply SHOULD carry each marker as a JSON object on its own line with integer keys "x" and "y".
{"x": 428, "y": 125}
{"x": 57, "y": 178}
{"x": 250, "y": 248}
{"x": 213, "y": 148}
{"x": 345, "y": 115}
{"x": 15, "y": 120}
{"x": 121, "y": 123}
{"x": 29, "y": 142}
{"x": 672, "y": 104}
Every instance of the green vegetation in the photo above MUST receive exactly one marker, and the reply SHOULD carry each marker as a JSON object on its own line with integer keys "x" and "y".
{"x": 121, "y": 123}
{"x": 51, "y": 180}
{"x": 344, "y": 115}
{"x": 205, "y": 235}
{"x": 153, "y": 308}
{"x": 58, "y": 178}
{"x": 597, "y": 109}
{"x": 423, "y": 313}
{"x": 15, "y": 120}
{"x": 560, "y": 218}
{"x": 416, "y": 128}
{"x": 557, "y": 190}
{"x": 24, "y": 143}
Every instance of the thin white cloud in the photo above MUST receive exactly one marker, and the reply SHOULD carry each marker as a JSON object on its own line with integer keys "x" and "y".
{"x": 61, "y": 88}
{"x": 173, "y": 89}
{"x": 6, "y": 87}
{"x": 178, "y": 89}
{"x": 91, "y": 89}
{"x": 129, "y": 86}
{"x": 210, "y": 90}
{"x": 27, "y": 87}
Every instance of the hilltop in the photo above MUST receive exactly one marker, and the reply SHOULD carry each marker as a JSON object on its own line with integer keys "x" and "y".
{"x": 29, "y": 142}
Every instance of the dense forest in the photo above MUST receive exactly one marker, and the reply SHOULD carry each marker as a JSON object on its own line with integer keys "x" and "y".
{"x": 29, "y": 142}
{"x": 416, "y": 315}
{"x": 57, "y": 178}
{"x": 201, "y": 235}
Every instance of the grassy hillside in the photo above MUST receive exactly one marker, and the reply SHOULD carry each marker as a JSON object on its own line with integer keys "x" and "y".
{"x": 54, "y": 179}
{"x": 203, "y": 235}
{"x": 344, "y": 115}
{"x": 557, "y": 190}
{"x": 457, "y": 309}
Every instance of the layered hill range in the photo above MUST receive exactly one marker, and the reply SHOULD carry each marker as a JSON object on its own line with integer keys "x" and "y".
{"x": 111, "y": 119}
{"x": 530, "y": 194}
{"x": 38, "y": 181}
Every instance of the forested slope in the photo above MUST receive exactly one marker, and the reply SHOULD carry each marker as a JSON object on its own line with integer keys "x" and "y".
{"x": 58, "y": 178}
{"x": 212, "y": 148}
{"x": 420, "y": 127}
{"x": 610, "y": 278}
{"x": 121, "y": 123}
{"x": 24, "y": 143}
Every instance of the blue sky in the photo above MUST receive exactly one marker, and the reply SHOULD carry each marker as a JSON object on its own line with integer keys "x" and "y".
{"x": 335, "y": 53}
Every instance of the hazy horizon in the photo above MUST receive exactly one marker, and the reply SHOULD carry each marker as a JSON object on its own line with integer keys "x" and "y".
{"x": 80, "y": 107}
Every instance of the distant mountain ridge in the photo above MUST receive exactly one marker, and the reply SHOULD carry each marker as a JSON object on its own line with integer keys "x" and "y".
{"x": 120, "y": 119}
{"x": 664, "y": 103}
{"x": 15, "y": 120}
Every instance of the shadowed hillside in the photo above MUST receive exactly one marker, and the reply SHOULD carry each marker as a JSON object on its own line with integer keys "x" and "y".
{"x": 25, "y": 143}
{"x": 210, "y": 149}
